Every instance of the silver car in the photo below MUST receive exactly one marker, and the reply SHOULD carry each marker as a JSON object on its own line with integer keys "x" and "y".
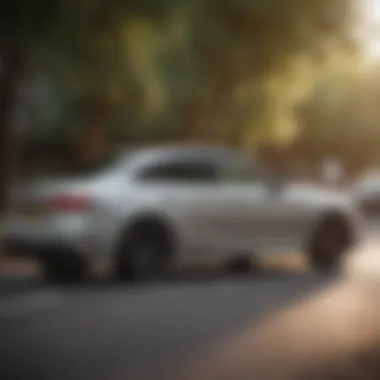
{"x": 165, "y": 207}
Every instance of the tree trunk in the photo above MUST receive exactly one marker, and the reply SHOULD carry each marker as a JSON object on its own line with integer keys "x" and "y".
{"x": 10, "y": 69}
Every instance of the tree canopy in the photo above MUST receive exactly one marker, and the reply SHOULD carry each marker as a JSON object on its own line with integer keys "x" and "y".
{"x": 228, "y": 70}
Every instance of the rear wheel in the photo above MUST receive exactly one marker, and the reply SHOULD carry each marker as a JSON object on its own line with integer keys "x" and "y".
{"x": 329, "y": 243}
{"x": 144, "y": 251}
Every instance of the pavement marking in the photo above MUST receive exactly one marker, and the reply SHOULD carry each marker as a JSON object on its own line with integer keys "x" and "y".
{"x": 16, "y": 306}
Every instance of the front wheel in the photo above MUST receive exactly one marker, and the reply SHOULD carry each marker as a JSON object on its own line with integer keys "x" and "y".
{"x": 329, "y": 243}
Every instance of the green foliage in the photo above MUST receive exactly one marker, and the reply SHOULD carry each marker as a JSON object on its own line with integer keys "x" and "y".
{"x": 249, "y": 63}
{"x": 229, "y": 69}
{"x": 342, "y": 115}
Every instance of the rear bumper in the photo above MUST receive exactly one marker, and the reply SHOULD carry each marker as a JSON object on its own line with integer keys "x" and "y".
{"x": 55, "y": 235}
{"x": 45, "y": 237}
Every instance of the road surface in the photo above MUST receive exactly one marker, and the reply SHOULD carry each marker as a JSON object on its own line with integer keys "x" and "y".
{"x": 175, "y": 328}
{"x": 274, "y": 327}
{"x": 123, "y": 332}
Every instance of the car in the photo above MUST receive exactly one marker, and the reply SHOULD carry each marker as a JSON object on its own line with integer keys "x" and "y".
{"x": 155, "y": 209}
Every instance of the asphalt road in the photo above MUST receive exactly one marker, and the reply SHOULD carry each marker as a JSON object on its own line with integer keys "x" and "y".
{"x": 273, "y": 327}
{"x": 116, "y": 332}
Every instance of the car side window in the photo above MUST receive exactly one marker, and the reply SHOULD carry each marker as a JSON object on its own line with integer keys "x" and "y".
{"x": 186, "y": 171}
{"x": 241, "y": 170}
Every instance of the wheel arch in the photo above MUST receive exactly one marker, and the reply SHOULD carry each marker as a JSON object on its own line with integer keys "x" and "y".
{"x": 328, "y": 214}
{"x": 158, "y": 220}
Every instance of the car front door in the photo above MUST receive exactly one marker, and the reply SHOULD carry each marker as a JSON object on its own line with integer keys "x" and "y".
{"x": 253, "y": 210}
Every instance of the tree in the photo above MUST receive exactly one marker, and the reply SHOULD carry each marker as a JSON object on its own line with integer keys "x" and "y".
{"x": 251, "y": 62}
{"x": 341, "y": 118}
{"x": 22, "y": 25}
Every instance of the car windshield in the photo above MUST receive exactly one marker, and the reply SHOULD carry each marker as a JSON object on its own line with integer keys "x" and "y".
{"x": 369, "y": 182}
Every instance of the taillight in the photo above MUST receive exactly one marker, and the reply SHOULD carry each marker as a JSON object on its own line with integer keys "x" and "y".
{"x": 70, "y": 203}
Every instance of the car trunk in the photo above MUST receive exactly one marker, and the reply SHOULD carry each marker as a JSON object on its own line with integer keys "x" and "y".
{"x": 35, "y": 197}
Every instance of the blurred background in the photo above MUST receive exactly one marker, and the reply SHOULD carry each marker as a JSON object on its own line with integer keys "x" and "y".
{"x": 296, "y": 82}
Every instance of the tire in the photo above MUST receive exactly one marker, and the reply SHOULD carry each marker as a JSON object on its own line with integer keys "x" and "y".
{"x": 62, "y": 267}
{"x": 329, "y": 243}
{"x": 145, "y": 250}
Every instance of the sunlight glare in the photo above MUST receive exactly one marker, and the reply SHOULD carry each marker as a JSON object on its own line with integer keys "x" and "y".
{"x": 370, "y": 27}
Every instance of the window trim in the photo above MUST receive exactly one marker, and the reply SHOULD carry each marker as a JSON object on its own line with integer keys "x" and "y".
{"x": 140, "y": 173}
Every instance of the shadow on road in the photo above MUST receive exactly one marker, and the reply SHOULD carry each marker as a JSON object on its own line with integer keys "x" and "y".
{"x": 15, "y": 284}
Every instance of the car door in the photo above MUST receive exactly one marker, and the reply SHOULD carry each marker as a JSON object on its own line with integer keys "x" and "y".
{"x": 184, "y": 189}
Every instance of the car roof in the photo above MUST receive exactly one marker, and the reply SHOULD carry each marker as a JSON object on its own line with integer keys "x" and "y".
{"x": 164, "y": 152}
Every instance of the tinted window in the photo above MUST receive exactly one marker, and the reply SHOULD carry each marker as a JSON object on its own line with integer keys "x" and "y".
{"x": 183, "y": 171}
{"x": 242, "y": 170}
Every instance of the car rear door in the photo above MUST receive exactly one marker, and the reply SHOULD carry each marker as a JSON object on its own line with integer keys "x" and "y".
{"x": 184, "y": 188}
